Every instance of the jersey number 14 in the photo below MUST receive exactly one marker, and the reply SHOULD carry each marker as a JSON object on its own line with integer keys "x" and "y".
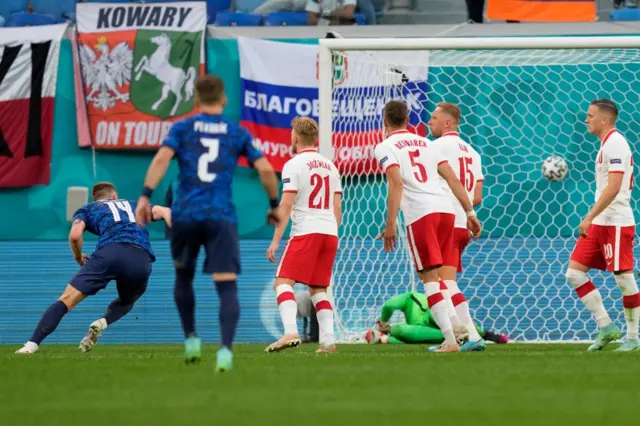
{"x": 117, "y": 206}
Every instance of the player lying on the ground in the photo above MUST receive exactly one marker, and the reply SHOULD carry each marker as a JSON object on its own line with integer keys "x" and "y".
{"x": 420, "y": 325}
{"x": 207, "y": 146}
{"x": 123, "y": 253}
{"x": 312, "y": 190}
{"x": 608, "y": 230}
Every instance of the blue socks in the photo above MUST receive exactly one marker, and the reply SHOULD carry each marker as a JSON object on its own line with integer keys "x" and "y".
{"x": 49, "y": 321}
{"x": 116, "y": 310}
{"x": 229, "y": 310}
{"x": 185, "y": 300}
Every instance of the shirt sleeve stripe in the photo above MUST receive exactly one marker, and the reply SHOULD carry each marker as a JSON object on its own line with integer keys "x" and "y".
{"x": 391, "y": 165}
{"x": 442, "y": 162}
{"x": 290, "y": 190}
{"x": 617, "y": 171}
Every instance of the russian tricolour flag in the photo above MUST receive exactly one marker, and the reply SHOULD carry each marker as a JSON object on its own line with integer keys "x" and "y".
{"x": 279, "y": 82}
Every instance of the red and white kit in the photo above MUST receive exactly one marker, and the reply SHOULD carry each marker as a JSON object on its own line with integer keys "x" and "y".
{"x": 427, "y": 208}
{"x": 609, "y": 241}
{"x": 311, "y": 250}
{"x": 466, "y": 163}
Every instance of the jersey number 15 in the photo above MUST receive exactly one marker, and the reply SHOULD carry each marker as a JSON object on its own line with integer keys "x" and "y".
{"x": 467, "y": 179}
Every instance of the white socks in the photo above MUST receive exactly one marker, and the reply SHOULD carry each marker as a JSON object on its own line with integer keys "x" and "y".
{"x": 288, "y": 308}
{"x": 589, "y": 295}
{"x": 462, "y": 309}
{"x": 630, "y": 302}
{"x": 453, "y": 316}
{"x": 324, "y": 313}
{"x": 440, "y": 311}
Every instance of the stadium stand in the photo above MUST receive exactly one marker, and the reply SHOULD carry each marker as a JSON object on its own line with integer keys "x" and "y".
{"x": 26, "y": 19}
{"x": 216, "y": 6}
{"x": 9, "y": 7}
{"x": 286, "y": 18}
{"x": 237, "y": 19}
{"x": 368, "y": 12}
{"x": 626, "y": 14}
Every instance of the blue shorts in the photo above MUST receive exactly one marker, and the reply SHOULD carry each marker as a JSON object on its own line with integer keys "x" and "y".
{"x": 220, "y": 241}
{"x": 128, "y": 265}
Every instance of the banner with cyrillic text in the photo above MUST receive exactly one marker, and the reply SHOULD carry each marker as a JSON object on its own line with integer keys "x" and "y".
{"x": 279, "y": 82}
{"x": 138, "y": 64}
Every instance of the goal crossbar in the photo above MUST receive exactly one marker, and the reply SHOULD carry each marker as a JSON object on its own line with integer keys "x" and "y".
{"x": 327, "y": 46}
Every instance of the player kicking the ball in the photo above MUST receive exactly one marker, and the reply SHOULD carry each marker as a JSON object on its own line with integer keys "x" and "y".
{"x": 607, "y": 232}
{"x": 465, "y": 162}
{"x": 412, "y": 165}
{"x": 207, "y": 147}
{"x": 312, "y": 189}
{"x": 123, "y": 254}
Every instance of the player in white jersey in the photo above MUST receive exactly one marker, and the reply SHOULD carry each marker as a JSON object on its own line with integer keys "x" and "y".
{"x": 466, "y": 164}
{"x": 312, "y": 190}
{"x": 412, "y": 165}
{"x": 608, "y": 230}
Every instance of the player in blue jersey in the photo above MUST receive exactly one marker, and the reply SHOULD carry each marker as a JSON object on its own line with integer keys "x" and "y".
{"x": 123, "y": 253}
{"x": 207, "y": 147}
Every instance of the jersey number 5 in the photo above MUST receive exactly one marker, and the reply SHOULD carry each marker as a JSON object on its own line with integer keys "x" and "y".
{"x": 116, "y": 206}
{"x": 317, "y": 200}
{"x": 466, "y": 175}
{"x": 421, "y": 173}
{"x": 207, "y": 158}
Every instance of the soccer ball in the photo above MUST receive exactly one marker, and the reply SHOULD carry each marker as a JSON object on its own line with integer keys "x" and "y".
{"x": 554, "y": 168}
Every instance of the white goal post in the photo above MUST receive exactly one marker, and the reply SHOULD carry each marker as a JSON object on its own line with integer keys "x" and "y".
{"x": 522, "y": 99}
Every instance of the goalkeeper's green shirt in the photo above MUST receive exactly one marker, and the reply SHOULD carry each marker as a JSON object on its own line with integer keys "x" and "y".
{"x": 414, "y": 307}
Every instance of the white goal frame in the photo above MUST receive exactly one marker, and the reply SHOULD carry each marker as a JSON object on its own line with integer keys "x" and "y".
{"x": 328, "y": 46}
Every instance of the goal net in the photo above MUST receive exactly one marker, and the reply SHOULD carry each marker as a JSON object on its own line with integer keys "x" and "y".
{"x": 519, "y": 106}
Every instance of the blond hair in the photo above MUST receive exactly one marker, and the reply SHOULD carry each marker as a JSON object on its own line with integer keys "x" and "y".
{"x": 451, "y": 109}
{"x": 306, "y": 128}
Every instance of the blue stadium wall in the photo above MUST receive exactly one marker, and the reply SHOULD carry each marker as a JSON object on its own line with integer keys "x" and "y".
{"x": 526, "y": 296}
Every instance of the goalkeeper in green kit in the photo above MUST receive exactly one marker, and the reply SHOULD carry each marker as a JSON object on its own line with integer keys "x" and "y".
{"x": 420, "y": 325}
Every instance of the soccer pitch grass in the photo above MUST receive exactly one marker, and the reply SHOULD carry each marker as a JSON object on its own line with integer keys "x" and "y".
{"x": 360, "y": 385}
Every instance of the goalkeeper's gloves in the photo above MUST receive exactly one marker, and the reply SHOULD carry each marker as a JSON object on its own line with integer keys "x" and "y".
{"x": 383, "y": 327}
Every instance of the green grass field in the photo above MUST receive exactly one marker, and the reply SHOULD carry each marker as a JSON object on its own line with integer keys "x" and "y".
{"x": 360, "y": 385}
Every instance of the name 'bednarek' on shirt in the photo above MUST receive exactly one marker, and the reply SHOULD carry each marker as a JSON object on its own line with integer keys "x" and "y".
{"x": 409, "y": 143}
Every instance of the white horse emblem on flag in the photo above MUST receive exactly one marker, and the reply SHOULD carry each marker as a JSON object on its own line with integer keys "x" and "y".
{"x": 174, "y": 79}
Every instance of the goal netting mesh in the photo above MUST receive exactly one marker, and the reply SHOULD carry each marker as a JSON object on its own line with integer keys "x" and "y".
{"x": 518, "y": 107}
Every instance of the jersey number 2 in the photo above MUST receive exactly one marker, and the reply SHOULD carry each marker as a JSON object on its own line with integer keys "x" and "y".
{"x": 208, "y": 158}
{"x": 421, "y": 173}
{"x": 466, "y": 175}
{"x": 116, "y": 206}
{"x": 317, "y": 200}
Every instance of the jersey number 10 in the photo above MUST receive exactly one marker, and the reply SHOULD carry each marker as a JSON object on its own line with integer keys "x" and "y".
{"x": 117, "y": 206}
